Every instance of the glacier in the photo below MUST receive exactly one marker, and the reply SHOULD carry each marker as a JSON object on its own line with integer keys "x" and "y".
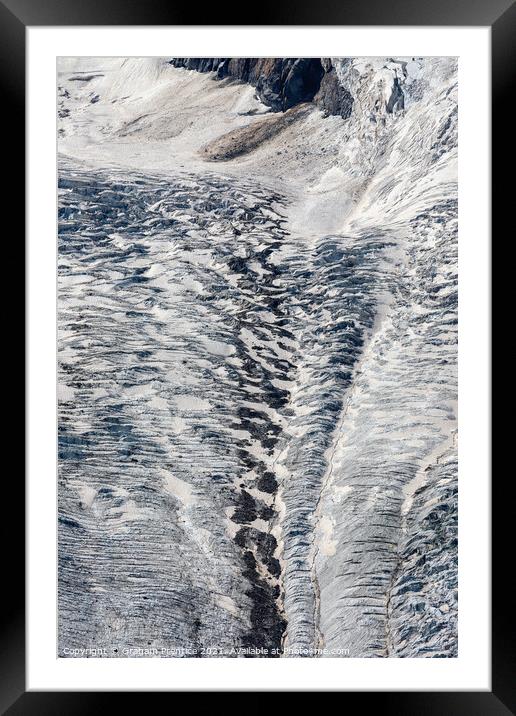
{"x": 257, "y": 349}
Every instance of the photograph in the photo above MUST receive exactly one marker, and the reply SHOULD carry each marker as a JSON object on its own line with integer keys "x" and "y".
{"x": 257, "y": 289}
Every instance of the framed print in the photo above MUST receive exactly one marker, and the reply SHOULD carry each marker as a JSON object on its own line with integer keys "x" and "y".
{"x": 258, "y": 354}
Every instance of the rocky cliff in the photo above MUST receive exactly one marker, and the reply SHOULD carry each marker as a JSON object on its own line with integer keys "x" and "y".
{"x": 281, "y": 83}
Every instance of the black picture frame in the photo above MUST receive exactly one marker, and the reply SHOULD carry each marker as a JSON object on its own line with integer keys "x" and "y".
{"x": 15, "y": 17}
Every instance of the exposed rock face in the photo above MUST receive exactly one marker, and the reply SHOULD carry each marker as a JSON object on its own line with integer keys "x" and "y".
{"x": 281, "y": 83}
{"x": 285, "y": 83}
{"x": 332, "y": 97}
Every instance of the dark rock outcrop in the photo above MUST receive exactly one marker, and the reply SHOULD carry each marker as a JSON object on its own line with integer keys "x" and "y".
{"x": 281, "y": 83}
{"x": 332, "y": 97}
{"x": 397, "y": 98}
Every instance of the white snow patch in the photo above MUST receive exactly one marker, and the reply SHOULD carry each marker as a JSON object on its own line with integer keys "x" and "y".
{"x": 178, "y": 488}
